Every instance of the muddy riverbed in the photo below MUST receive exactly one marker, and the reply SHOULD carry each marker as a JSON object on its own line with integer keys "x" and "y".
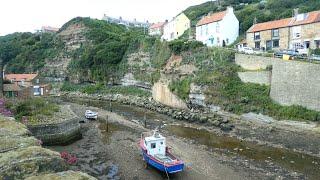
{"x": 109, "y": 148}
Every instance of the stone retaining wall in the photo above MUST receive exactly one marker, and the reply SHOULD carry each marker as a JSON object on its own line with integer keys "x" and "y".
{"x": 292, "y": 82}
{"x": 252, "y": 62}
{"x": 296, "y": 83}
{"x": 59, "y": 133}
{"x": 257, "y": 77}
{"x": 162, "y": 94}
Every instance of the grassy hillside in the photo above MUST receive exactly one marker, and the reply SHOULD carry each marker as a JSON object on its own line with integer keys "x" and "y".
{"x": 26, "y": 52}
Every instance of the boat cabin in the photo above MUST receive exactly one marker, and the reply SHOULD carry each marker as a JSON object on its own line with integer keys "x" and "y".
{"x": 155, "y": 145}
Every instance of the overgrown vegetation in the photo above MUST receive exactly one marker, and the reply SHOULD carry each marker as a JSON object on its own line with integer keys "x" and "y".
{"x": 26, "y": 52}
{"x": 181, "y": 87}
{"x": 103, "y": 89}
{"x": 33, "y": 109}
{"x": 179, "y": 45}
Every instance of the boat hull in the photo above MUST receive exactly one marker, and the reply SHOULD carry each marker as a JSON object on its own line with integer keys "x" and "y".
{"x": 171, "y": 169}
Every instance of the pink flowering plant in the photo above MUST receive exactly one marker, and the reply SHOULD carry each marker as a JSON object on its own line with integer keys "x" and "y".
{"x": 70, "y": 159}
{"x": 4, "y": 110}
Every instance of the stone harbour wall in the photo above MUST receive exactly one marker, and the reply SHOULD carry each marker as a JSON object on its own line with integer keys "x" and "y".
{"x": 58, "y": 133}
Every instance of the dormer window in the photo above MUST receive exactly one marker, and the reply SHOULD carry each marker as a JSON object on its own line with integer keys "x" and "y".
{"x": 301, "y": 17}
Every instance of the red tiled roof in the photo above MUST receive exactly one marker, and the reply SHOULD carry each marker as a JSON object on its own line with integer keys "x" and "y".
{"x": 311, "y": 17}
{"x": 19, "y": 77}
{"x": 157, "y": 25}
{"x": 212, "y": 18}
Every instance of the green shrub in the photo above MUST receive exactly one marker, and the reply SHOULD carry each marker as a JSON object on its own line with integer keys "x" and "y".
{"x": 34, "y": 108}
{"x": 179, "y": 45}
{"x": 181, "y": 87}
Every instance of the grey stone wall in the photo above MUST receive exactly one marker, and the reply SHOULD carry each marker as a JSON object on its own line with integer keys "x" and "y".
{"x": 59, "y": 133}
{"x": 251, "y": 62}
{"x": 296, "y": 83}
{"x": 257, "y": 77}
{"x": 292, "y": 82}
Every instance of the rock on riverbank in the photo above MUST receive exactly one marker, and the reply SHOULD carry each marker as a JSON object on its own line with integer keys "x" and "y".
{"x": 188, "y": 115}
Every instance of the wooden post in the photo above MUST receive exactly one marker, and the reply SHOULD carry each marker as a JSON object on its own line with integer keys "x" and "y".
{"x": 110, "y": 105}
{"x": 145, "y": 120}
{"x": 107, "y": 123}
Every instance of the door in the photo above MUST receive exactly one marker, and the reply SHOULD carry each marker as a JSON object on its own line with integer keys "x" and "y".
{"x": 269, "y": 45}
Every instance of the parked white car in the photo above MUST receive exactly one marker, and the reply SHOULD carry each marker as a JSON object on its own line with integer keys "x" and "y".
{"x": 246, "y": 50}
{"x": 91, "y": 115}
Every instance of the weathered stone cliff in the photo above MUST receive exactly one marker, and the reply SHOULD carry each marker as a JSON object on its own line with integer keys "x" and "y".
{"x": 22, "y": 156}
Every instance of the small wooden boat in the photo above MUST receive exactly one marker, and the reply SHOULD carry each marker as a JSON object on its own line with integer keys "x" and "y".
{"x": 91, "y": 115}
{"x": 156, "y": 154}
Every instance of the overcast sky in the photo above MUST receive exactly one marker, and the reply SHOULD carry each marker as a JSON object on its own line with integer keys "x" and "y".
{"x": 29, "y": 15}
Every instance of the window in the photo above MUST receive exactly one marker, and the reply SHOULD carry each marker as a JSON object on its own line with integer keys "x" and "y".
{"x": 317, "y": 42}
{"x": 275, "y": 33}
{"x": 257, "y": 45}
{"x": 207, "y": 33}
{"x": 218, "y": 28}
{"x": 218, "y": 40}
{"x": 257, "y": 36}
{"x": 161, "y": 143}
{"x": 275, "y": 43}
{"x": 296, "y": 32}
{"x": 153, "y": 145}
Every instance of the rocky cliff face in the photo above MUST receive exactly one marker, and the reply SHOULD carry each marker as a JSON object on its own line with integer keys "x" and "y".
{"x": 73, "y": 37}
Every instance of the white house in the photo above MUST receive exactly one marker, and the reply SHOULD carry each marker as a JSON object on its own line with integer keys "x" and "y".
{"x": 218, "y": 29}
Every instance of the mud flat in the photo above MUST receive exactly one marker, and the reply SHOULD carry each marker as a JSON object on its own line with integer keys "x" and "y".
{"x": 209, "y": 153}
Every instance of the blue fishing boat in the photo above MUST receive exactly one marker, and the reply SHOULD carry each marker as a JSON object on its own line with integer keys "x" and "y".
{"x": 156, "y": 153}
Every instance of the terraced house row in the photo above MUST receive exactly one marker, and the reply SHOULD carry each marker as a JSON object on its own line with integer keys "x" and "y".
{"x": 302, "y": 31}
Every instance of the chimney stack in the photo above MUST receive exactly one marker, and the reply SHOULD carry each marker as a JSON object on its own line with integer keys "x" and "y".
{"x": 255, "y": 20}
{"x": 229, "y": 9}
{"x": 295, "y": 12}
